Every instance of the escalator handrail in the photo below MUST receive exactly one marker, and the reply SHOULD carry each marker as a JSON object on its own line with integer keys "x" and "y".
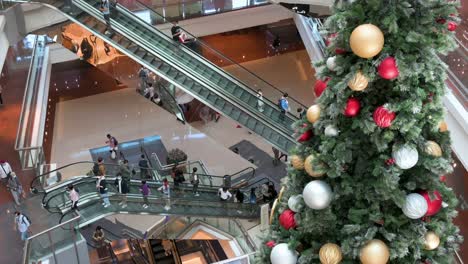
{"x": 219, "y": 54}
{"x": 212, "y": 66}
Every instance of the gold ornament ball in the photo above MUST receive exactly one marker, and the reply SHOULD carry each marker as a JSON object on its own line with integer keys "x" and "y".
{"x": 431, "y": 240}
{"x": 433, "y": 149}
{"x": 374, "y": 252}
{"x": 313, "y": 113}
{"x": 366, "y": 41}
{"x": 330, "y": 254}
{"x": 314, "y": 171}
{"x": 297, "y": 162}
{"x": 443, "y": 127}
{"x": 359, "y": 82}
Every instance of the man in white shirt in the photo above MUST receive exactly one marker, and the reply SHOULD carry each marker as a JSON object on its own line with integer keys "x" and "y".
{"x": 224, "y": 194}
{"x": 22, "y": 223}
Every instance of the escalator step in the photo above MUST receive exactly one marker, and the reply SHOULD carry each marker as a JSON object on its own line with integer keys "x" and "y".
{"x": 157, "y": 63}
{"x": 148, "y": 57}
{"x": 141, "y": 53}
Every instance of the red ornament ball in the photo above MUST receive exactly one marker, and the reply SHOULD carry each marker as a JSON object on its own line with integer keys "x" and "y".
{"x": 306, "y": 136}
{"x": 382, "y": 117}
{"x": 388, "y": 69}
{"x": 452, "y": 26}
{"x": 270, "y": 244}
{"x": 390, "y": 161}
{"x": 287, "y": 220}
{"x": 434, "y": 202}
{"x": 340, "y": 51}
{"x": 443, "y": 178}
{"x": 441, "y": 20}
{"x": 320, "y": 86}
{"x": 353, "y": 106}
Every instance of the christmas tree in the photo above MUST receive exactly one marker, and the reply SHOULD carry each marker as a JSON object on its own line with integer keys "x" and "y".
{"x": 365, "y": 183}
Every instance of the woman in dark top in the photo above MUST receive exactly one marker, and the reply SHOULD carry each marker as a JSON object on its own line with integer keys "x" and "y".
{"x": 239, "y": 196}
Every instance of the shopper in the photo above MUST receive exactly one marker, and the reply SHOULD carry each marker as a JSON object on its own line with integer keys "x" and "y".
{"x": 143, "y": 75}
{"x": 284, "y": 105}
{"x": 239, "y": 196}
{"x": 195, "y": 181}
{"x": 1, "y": 99}
{"x": 105, "y": 9}
{"x": 5, "y": 171}
{"x": 101, "y": 168}
{"x": 301, "y": 112}
{"x": 224, "y": 194}
{"x": 144, "y": 167}
{"x": 74, "y": 197}
{"x": 149, "y": 91}
{"x": 266, "y": 194}
{"x": 273, "y": 194}
{"x": 99, "y": 237}
{"x": 22, "y": 224}
{"x": 165, "y": 187}
{"x": 102, "y": 189}
{"x": 253, "y": 196}
{"x": 260, "y": 103}
{"x": 113, "y": 145}
{"x": 14, "y": 185}
{"x": 175, "y": 31}
{"x": 145, "y": 191}
{"x": 125, "y": 174}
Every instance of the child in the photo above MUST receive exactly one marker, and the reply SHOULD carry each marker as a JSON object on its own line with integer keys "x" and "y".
{"x": 165, "y": 187}
{"x": 145, "y": 190}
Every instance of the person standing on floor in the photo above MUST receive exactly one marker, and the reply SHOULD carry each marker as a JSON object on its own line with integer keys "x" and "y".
{"x": 239, "y": 196}
{"x": 14, "y": 185}
{"x": 253, "y": 196}
{"x": 105, "y": 9}
{"x": 260, "y": 103}
{"x": 143, "y": 74}
{"x": 144, "y": 167}
{"x": 22, "y": 224}
{"x": 99, "y": 237}
{"x": 101, "y": 167}
{"x": 195, "y": 181}
{"x": 74, "y": 197}
{"x": 126, "y": 174}
{"x": 145, "y": 191}
{"x": 284, "y": 105}
{"x": 113, "y": 145}
{"x": 1, "y": 99}
{"x": 5, "y": 171}
{"x": 102, "y": 189}
{"x": 224, "y": 194}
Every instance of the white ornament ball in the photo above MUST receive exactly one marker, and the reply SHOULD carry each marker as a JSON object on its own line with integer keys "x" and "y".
{"x": 405, "y": 157}
{"x": 295, "y": 203}
{"x": 281, "y": 254}
{"x": 331, "y": 63}
{"x": 415, "y": 206}
{"x": 317, "y": 195}
{"x": 331, "y": 131}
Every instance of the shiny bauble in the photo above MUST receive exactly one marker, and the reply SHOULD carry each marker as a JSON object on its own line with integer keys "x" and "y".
{"x": 286, "y": 219}
{"x": 295, "y": 203}
{"x": 353, "y": 106}
{"x": 340, "y": 51}
{"x": 311, "y": 169}
{"x": 432, "y": 148}
{"x": 331, "y": 63}
{"x": 359, "y": 82}
{"x": 451, "y": 26}
{"x": 281, "y": 254}
{"x": 331, "y": 131}
{"x": 382, "y": 117}
{"x": 305, "y": 136}
{"x": 320, "y": 86}
{"x": 330, "y": 254}
{"x": 313, "y": 113}
{"x": 270, "y": 244}
{"x": 433, "y": 200}
{"x": 405, "y": 157}
{"x": 374, "y": 252}
{"x": 443, "y": 126}
{"x": 415, "y": 206}
{"x": 388, "y": 69}
{"x": 297, "y": 162}
{"x": 431, "y": 240}
{"x": 366, "y": 41}
{"x": 317, "y": 195}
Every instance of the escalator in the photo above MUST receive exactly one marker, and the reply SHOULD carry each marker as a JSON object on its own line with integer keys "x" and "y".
{"x": 186, "y": 69}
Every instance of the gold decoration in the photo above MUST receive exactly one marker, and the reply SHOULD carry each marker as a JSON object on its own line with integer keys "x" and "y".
{"x": 374, "y": 252}
{"x": 273, "y": 209}
{"x": 443, "y": 126}
{"x": 359, "y": 82}
{"x": 297, "y": 162}
{"x": 433, "y": 149}
{"x": 314, "y": 171}
{"x": 313, "y": 113}
{"x": 366, "y": 41}
{"x": 281, "y": 193}
{"x": 431, "y": 240}
{"x": 330, "y": 254}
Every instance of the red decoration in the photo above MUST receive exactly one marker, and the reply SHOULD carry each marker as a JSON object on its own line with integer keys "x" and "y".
{"x": 340, "y": 51}
{"x": 452, "y": 26}
{"x": 306, "y": 136}
{"x": 353, "y": 106}
{"x": 443, "y": 178}
{"x": 270, "y": 244}
{"x": 390, "y": 161}
{"x": 388, "y": 69}
{"x": 434, "y": 202}
{"x": 320, "y": 86}
{"x": 441, "y": 20}
{"x": 382, "y": 117}
{"x": 287, "y": 220}
{"x": 330, "y": 38}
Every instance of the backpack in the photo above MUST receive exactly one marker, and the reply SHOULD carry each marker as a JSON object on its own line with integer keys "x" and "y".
{"x": 116, "y": 143}
{"x": 279, "y": 103}
{"x": 27, "y": 220}
{"x": 96, "y": 169}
